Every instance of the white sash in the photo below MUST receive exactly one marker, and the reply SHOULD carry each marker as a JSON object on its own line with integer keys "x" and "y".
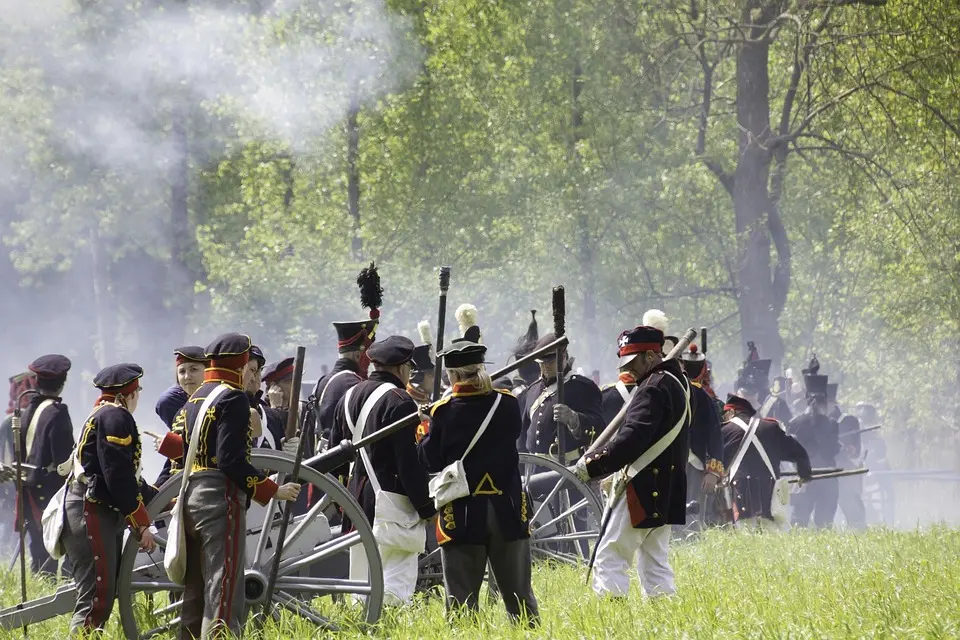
{"x": 622, "y": 389}
{"x": 663, "y": 443}
{"x": 750, "y": 438}
{"x": 546, "y": 393}
{"x": 34, "y": 422}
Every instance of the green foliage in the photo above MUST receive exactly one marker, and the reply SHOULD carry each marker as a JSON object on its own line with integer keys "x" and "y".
{"x": 468, "y": 155}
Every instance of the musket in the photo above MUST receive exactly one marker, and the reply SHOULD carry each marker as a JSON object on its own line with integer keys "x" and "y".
{"x": 346, "y": 451}
{"x": 291, "y": 431}
{"x": 560, "y": 330}
{"x": 614, "y": 425}
{"x": 18, "y": 457}
{"x": 843, "y": 473}
{"x": 441, "y": 324}
{"x": 818, "y": 470}
{"x": 853, "y": 433}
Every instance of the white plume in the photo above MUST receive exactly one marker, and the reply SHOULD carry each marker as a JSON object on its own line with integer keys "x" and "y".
{"x": 656, "y": 319}
{"x": 466, "y": 317}
{"x": 425, "y": 335}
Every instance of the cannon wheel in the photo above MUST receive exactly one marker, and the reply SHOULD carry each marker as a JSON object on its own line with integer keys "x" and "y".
{"x": 559, "y": 499}
{"x": 144, "y": 616}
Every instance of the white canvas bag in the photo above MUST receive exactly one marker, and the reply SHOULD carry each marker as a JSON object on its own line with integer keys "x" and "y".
{"x": 451, "y": 483}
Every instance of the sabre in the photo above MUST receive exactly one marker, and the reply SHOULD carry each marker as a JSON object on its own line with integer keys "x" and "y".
{"x": 614, "y": 425}
{"x": 441, "y": 323}
{"x": 559, "y": 330}
{"x": 18, "y": 457}
{"x": 346, "y": 451}
{"x": 291, "y": 431}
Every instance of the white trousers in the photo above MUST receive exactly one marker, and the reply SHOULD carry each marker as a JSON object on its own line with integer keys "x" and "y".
{"x": 399, "y": 572}
{"x": 620, "y": 544}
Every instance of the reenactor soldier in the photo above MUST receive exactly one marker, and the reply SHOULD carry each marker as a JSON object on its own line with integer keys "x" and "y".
{"x": 189, "y": 372}
{"x": 580, "y": 414}
{"x": 851, "y": 489}
{"x": 388, "y": 480}
{"x": 47, "y": 441}
{"x": 222, "y": 484}
{"x": 874, "y": 455}
{"x": 8, "y": 492}
{"x": 657, "y": 425}
{"x": 422, "y": 377}
{"x": 705, "y": 462}
{"x": 268, "y": 424}
{"x": 752, "y": 486}
{"x": 105, "y": 495}
{"x": 819, "y": 435}
{"x": 278, "y": 379}
{"x": 491, "y": 524}
{"x": 753, "y": 379}
{"x": 777, "y": 404}
{"x": 528, "y": 373}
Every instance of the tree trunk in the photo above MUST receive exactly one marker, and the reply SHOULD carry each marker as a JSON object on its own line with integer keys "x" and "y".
{"x": 586, "y": 250}
{"x": 183, "y": 239}
{"x": 353, "y": 175}
{"x": 105, "y": 308}
{"x": 759, "y": 315}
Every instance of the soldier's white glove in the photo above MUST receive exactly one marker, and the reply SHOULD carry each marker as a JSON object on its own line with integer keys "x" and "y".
{"x": 567, "y": 416}
{"x": 290, "y": 445}
{"x": 580, "y": 470}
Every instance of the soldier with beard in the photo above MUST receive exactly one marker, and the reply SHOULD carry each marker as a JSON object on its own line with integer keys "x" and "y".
{"x": 819, "y": 435}
{"x": 753, "y": 483}
{"x": 651, "y": 446}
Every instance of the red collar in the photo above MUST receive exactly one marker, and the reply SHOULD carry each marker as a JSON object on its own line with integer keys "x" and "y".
{"x": 228, "y": 376}
{"x": 461, "y": 390}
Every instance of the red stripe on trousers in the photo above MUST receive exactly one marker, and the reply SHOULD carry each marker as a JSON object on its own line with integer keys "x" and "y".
{"x": 96, "y": 616}
{"x": 231, "y": 556}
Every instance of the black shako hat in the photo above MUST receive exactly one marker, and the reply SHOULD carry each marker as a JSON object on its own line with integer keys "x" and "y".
{"x": 51, "y": 367}
{"x": 421, "y": 359}
{"x": 256, "y": 353}
{"x": 277, "y": 371}
{"x": 351, "y": 335}
{"x": 693, "y": 362}
{"x": 754, "y": 376}
{"x": 816, "y": 385}
{"x": 541, "y": 343}
{"x": 117, "y": 376}
{"x": 832, "y": 392}
{"x": 190, "y": 354}
{"x": 227, "y": 346}
{"x": 737, "y": 404}
{"x": 392, "y": 352}
{"x": 633, "y": 342}
{"x": 463, "y": 354}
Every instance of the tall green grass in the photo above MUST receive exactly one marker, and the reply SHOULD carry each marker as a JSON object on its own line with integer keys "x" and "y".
{"x": 876, "y": 584}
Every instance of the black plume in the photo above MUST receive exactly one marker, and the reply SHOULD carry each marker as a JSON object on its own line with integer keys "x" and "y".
{"x": 813, "y": 368}
{"x": 371, "y": 293}
{"x": 753, "y": 353}
{"x": 527, "y": 341}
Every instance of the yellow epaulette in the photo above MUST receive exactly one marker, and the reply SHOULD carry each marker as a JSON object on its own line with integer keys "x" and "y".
{"x": 439, "y": 403}
{"x": 609, "y": 385}
{"x": 505, "y": 392}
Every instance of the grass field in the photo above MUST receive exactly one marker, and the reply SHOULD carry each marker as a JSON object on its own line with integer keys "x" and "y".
{"x": 878, "y": 584}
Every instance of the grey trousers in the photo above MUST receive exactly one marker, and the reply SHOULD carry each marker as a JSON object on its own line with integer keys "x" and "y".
{"x": 92, "y": 535}
{"x": 465, "y": 564}
{"x": 214, "y": 522}
{"x": 819, "y": 499}
{"x": 851, "y": 496}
